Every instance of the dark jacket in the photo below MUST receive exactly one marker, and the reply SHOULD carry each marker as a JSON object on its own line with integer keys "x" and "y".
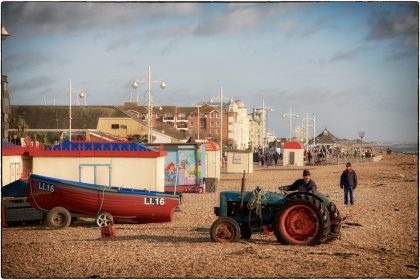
{"x": 348, "y": 179}
{"x": 300, "y": 185}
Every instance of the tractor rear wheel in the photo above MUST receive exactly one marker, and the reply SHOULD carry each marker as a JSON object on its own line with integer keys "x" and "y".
{"x": 225, "y": 229}
{"x": 335, "y": 218}
{"x": 303, "y": 220}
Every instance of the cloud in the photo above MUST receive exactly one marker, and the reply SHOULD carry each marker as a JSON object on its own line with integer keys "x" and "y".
{"x": 400, "y": 54}
{"x": 24, "y": 60}
{"x": 40, "y": 82}
{"x": 235, "y": 18}
{"x": 122, "y": 41}
{"x": 348, "y": 55}
{"x": 319, "y": 24}
{"x": 396, "y": 23}
{"x": 35, "y": 18}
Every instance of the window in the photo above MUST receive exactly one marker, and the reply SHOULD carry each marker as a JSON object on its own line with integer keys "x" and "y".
{"x": 211, "y": 124}
{"x": 217, "y": 123}
{"x": 115, "y": 126}
{"x": 182, "y": 116}
{"x": 211, "y": 115}
{"x": 211, "y": 131}
{"x": 217, "y": 131}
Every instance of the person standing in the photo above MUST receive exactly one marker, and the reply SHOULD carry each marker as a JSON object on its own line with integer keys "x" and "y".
{"x": 348, "y": 181}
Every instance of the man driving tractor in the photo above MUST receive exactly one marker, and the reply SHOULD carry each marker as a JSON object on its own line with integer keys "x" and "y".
{"x": 303, "y": 185}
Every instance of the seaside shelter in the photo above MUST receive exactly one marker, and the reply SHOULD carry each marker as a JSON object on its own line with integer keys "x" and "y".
{"x": 293, "y": 154}
{"x": 120, "y": 164}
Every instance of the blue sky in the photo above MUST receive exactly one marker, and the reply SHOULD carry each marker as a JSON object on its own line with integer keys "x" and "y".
{"x": 353, "y": 64}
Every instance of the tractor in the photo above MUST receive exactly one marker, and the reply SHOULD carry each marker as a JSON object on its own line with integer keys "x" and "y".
{"x": 295, "y": 218}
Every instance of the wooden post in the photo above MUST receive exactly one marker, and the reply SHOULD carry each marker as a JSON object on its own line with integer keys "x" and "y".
{"x": 242, "y": 190}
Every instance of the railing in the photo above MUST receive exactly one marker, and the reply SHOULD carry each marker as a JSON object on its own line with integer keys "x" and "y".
{"x": 96, "y": 146}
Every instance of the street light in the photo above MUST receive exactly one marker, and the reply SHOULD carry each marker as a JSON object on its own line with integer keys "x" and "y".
{"x": 307, "y": 126}
{"x": 198, "y": 121}
{"x": 361, "y": 135}
{"x": 264, "y": 120}
{"x": 290, "y": 114}
{"x": 81, "y": 95}
{"x": 149, "y": 82}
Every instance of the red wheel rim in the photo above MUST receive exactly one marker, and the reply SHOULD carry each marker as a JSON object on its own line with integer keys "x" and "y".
{"x": 225, "y": 232}
{"x": 300, "y": 224}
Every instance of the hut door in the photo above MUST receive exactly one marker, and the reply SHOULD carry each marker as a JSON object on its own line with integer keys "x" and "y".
{"x": 14, "y": 171}
{"x": 292, "y": 158}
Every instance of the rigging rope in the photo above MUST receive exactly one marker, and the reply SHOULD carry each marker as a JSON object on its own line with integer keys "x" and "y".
{"x": 258, "y": 198}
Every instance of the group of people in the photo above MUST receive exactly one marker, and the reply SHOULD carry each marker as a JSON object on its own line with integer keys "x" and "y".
{"x": 267, "y": 158}
{"x": 348, "y": 182}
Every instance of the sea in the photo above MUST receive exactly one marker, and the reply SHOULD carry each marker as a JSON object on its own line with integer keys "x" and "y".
{"x": 409, "y": 149}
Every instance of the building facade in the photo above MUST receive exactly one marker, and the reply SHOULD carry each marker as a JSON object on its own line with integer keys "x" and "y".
{"x": 5, "y": 108}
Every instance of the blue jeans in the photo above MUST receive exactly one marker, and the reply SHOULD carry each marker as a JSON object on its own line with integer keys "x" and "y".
{"x": 348, "y": 191}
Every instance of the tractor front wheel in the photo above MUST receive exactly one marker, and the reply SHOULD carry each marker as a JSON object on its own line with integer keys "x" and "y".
{"x": 225, "y": 229}
{"x": 303, "y": 220}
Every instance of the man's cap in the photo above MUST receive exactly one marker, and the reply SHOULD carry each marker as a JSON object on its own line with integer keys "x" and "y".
{"x": 306, "y": 172}
{"x": 348, "y": 164}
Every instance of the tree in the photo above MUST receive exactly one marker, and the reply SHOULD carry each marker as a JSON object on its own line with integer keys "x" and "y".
{"x": 20, "y": 124}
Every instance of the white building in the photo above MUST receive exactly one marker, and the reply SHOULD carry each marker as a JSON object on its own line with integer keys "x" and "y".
{"x": 256, "y": 129}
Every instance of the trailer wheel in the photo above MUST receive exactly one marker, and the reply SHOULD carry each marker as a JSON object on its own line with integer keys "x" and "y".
{"x": 58, "y": 218}
{"x": 104, "y": 219}
{"x": 303, "y": 220}
{"x": 225, "y": 229}
{"x": 335, "y": 217}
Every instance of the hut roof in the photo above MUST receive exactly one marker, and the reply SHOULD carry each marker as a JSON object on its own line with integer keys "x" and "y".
{"x": 325, "y": 137}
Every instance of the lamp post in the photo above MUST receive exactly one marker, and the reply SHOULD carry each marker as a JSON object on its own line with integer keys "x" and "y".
{"x": 314, "y": 128}
{"x": 149, "y": 82}
{"x": 81, "y": 95}
{"x": 221, "y": 125}
{"x": 307, "y": 126}
{"x": 198, "y": 121}
{"x": 265, "y": 111}
{"x": 290, "y": 114}
{"x": 361, "y": 135}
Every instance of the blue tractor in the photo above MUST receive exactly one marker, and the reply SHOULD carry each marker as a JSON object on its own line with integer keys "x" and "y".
{"x": 297, "y": 218}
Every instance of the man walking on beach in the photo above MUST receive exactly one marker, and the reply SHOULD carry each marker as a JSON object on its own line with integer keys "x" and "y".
{"x": 348, "y": 181}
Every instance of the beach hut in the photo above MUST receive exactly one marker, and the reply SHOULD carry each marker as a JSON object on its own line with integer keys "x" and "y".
{"x": 239, "y": 161}
{"x": 184, "y": 166}
{"x": 124, "y": 164}
{"x": 15, "y": 163}
{"x": 293, "y": 154}
{"x": 212, "y": 160}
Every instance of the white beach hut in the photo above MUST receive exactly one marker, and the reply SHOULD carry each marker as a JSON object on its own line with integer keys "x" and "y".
{"x": 293, "y": 154}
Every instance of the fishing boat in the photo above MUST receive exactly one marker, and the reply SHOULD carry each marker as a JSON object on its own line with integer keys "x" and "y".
{"x": 64, "y": 199}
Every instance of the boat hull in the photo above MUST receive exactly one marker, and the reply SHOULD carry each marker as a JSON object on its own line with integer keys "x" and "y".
{"x": 83, "y": 199}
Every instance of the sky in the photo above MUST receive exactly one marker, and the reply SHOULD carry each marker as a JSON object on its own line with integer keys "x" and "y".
{"x": 354, "y": 65}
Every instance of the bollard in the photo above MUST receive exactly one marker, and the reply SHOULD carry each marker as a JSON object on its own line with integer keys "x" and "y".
{"x": 109, "y": 230}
